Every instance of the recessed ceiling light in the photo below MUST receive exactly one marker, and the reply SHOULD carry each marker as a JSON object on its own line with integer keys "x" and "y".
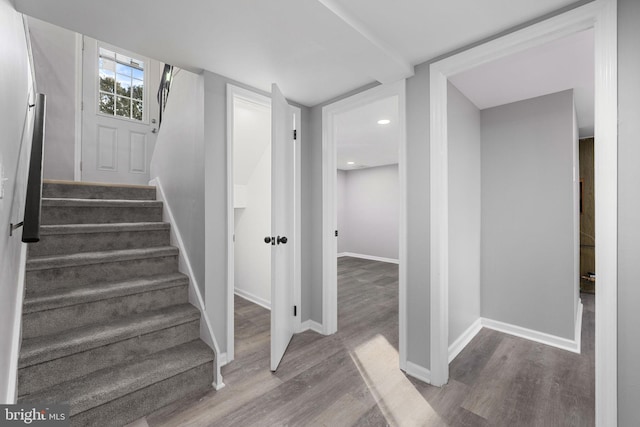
{"x": 351, "y": 163}
{"x": 384, "y": 122}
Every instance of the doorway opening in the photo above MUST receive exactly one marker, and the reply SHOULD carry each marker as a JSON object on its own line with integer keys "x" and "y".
{"x": 261, "y": 249}
{"x": 364, "y": 200}
{"x": 601, "y": 17}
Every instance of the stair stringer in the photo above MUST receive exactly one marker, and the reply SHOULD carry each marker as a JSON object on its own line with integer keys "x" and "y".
{"x": 195, "y": 297}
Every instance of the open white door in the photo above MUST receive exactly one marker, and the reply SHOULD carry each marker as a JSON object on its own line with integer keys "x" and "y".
{"x": 282, "y": 225}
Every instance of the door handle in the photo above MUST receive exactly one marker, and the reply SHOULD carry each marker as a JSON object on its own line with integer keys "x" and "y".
{"x": 269, "y": 239}
{"x": 282, "y": 240}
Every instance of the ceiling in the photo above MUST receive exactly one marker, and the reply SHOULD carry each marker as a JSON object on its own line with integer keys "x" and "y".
{"x": 360, "y": 139}
{"x": 568, "y": 63}
{"x": 314, "y": 49}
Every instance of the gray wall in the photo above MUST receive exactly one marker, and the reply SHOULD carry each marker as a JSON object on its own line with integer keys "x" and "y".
{"x": 464, "y": 133}
{"x": 178, "y": 160}
{"x": 15, "y": 122}
{"x": 54, "y": 56}
{"x": 629, "y": 206}
{"x": 528, "y": 214}
{"x": 341, "y": 207}
{"x": 370, "y": 208}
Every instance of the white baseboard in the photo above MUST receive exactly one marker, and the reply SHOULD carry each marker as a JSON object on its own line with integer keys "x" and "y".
{"x": 16, "y": 333}
{"x": 418, "y": 372}
{"x": 195, "y": 297}
{"x": 463, "y": 340}
{"x": 529, "y": 334}
{"x": 253, "y": 298}
{"x": 369, "y": 257}
{"x": 312, "y": 325}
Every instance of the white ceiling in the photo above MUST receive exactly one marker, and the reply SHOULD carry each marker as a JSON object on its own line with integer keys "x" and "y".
{"x": 360, "y": 139}
{"x": 314, "y": 49}
{"x": 563, "y": 64}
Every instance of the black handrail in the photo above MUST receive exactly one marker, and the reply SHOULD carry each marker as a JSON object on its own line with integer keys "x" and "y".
{"x": 33, "y": 203}
{"x": 163, "y": 90}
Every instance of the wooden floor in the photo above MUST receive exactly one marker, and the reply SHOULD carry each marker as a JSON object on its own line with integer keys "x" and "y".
{"x": 352, "y": 378}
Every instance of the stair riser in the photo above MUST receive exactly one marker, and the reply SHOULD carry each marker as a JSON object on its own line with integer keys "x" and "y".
{"x": 63, "y": 191}
{"x": 142, "y": 402}
{"x": 43, "y": 375}
{"x": 69, "y": 277}
{"x": 51, "y": 321}
{"x": 63, "y": 244}
{"x": 57, "y": 215}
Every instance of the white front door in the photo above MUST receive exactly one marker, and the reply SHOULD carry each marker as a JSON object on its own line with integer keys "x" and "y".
{"x": 119, "y": 114}
{"x": 282, "y": 225}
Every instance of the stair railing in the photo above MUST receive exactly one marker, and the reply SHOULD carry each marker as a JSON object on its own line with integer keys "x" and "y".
{"x": 163, "y": 90}
{"x": 33, "y": 201}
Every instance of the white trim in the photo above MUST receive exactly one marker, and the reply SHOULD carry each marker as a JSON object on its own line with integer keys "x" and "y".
{"x": 77, "y": 150}
{"x": 529, "y": 334}
{"x": 600, "y": 15}
{"x": 195, "y": 297}
{"x": 418, "y": 372}
{"x": 369, "y": 257}
{"x": 329, "y": 207}
{"x": 16, "y": 333}
{"x": 311, "y": 325}
{"x": 464, "y": 339}
{"x": 297, "y": 247}
{"x": 253, "y": 298}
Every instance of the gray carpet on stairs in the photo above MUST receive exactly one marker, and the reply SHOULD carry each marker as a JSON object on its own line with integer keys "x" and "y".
{"x": 107, "y": 326}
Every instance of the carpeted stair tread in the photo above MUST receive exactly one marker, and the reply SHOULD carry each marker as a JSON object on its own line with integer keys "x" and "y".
{"x": 49, "y": 347}
{"x": 47, "y": 230}
{"x": 108, "y": 384}
{"x": 89, "y": 258}
{"x": 101, "y": 203}
{"x": 96, "y": 190}
{"x": 65, "y": 297}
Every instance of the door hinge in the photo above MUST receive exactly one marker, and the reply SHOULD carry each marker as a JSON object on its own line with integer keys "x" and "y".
{"x": 80, "y": 166}
{"x": 295, "y": 134}
{"x": 81, "y": 105}
{"x": 295, "y": 310}
{"x": 336, "y": 233}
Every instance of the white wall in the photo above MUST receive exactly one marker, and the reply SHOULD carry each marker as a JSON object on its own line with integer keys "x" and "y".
{"x": 528, "y": 214}
{"x": 464, "y": 212}
{"x": 16, "y": 123}
{"x": 54, "y": 57}
{"x": 252, "y": 169}
{"x": 178, "y": 160}
{"x": 370, "y": 212}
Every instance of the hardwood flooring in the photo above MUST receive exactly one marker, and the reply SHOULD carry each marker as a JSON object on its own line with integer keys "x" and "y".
{"x": 352, "y": 378}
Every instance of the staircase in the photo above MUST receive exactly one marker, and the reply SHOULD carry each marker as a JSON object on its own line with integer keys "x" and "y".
{"x": 107, "y": 326}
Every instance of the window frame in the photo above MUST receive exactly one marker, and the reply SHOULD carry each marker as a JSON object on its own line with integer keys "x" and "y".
{"x": 145, "y": 92}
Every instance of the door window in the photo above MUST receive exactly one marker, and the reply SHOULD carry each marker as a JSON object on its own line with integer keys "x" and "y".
{"x": 121, "y": 87}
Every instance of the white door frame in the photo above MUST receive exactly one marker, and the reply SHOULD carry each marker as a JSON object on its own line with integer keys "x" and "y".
{"x": 234, "y": 92}
{"x": 601, "y": 16}
{"x": 329, "y": 209}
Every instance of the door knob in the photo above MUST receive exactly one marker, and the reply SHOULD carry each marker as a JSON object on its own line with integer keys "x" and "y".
{"x": 271, "y": 240}
{"x": 282, "y": 240}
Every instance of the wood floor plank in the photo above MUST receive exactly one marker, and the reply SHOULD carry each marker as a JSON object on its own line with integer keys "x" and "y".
{"x": 352, "y": 378}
